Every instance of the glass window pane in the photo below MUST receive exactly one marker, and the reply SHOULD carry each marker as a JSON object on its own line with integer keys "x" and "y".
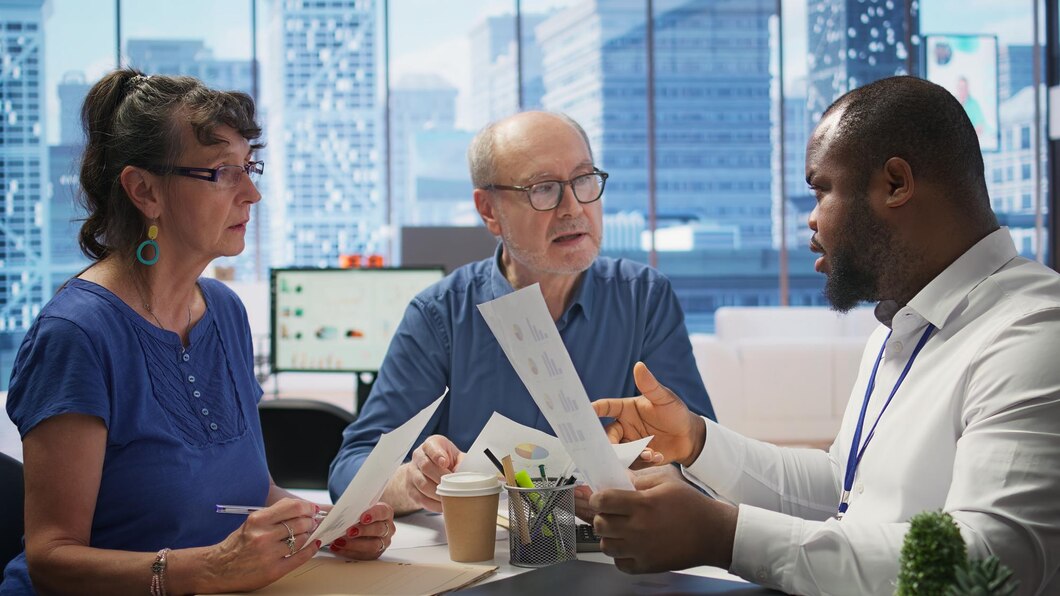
{"x": 804, "y": 284}
{"x": 593, "y": 67}
{"x": 1013, "y": 26}
{"x": 451, "y": 72}
{"x": 323, "y": 100}
{"x": 714, "y": 144}
{"x": 53, "y": 52}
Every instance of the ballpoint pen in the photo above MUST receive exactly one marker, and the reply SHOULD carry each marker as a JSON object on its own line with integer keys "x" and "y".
{"x": 248, "y": 509}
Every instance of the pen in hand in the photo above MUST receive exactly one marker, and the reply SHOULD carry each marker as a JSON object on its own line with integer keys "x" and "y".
{"x": 248, "y": 509}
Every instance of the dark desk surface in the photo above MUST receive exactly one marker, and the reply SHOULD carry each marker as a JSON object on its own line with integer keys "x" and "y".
{"x": 587, "y": 577}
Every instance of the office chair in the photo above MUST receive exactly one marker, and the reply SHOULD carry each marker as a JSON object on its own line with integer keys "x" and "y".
{"x": 12, "y": 500}
{"x": 301, "y": 436}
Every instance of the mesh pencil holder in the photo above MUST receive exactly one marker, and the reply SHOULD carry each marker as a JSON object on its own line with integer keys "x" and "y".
{"x": 541, "y": 524}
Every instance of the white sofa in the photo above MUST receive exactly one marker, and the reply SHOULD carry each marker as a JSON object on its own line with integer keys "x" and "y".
{"x": 782, "y": 374}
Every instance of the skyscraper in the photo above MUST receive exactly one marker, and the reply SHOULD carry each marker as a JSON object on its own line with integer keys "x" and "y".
{"x": 1015, "y": 69}
{"x": 326, "y": 122}
{"x": 1010, "y": 172}
{"x": 424, "y": 102}
{"x": 72, "y": 91}
{"x": 189, "y": 57}
{"x": 798, "y": 199}
{"x": 64, "y": 161}
{"x": 712, "y": 107}
{"x": 495, "y": 81}
{"x": 25, "y": 244}
{"x": 854, "y": 42}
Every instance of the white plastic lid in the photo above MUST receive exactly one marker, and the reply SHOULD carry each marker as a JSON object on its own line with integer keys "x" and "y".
{"x": 468, "y": 484}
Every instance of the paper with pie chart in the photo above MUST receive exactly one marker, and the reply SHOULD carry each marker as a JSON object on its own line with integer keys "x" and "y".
{"x": 526, "y": 332}
{"x": 530, "y": 448}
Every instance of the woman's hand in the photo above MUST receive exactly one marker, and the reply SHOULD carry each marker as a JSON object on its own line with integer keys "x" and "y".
{"x": 266, "y": 547}
{"x": 369, "y": 538}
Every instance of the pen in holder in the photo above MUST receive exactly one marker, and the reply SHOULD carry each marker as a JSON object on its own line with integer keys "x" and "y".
{"x": 544, "y": 513}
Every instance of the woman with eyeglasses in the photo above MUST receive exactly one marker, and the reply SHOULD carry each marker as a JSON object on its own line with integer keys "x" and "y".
{"x": 134, "y": 390}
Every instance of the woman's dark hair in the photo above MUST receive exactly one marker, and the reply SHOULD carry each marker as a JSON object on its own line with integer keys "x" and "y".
{"x": 131, "y": 119}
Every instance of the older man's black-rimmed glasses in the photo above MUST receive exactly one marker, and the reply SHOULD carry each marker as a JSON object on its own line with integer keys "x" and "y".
{"x": 223, "y": 177}
{"x": 548, "y": 194}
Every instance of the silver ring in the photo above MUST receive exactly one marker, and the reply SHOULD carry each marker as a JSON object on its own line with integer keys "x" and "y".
{"x": 387, "y": 533}
{"x": 382, "y": 545}
{"x": 290, "y": 538}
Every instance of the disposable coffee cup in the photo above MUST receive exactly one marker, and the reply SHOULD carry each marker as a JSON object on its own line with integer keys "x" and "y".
{"x": 469, "y": 506}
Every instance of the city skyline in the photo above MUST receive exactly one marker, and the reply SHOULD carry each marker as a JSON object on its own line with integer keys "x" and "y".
{"x": 321, "y": 92}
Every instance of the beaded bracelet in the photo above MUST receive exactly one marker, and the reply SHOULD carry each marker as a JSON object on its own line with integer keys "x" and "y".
{"x": 158, "y": 573}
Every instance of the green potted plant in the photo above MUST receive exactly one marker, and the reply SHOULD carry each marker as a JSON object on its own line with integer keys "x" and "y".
{"x": 934, "y": 560}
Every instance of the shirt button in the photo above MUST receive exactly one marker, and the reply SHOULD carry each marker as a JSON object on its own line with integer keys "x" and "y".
{"x": 860, "y": 488}
{"x": 186, "y": 357}
{"x": 191, "y": 378}
{"x": 213, "y": 426}
{"x": 205, "y": 412}
{"x": 196, "y": 393}
{"x": 760, "y": 575}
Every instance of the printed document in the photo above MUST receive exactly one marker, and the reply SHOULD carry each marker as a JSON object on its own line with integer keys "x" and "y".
{"x": 526, "y": 332}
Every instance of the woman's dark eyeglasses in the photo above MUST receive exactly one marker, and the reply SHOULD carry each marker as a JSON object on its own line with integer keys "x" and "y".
{"x": 548, "y": 194}
{"x": 223, "y": 177}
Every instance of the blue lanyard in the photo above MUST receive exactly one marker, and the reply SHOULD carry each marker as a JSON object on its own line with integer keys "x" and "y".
{"x": 855, "y": 453}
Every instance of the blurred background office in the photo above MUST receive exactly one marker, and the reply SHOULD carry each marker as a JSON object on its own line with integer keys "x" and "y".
{"x": 699, "y": 109}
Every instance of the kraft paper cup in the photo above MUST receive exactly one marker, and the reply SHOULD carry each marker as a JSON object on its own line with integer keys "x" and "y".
{"x": 469, "y": 506}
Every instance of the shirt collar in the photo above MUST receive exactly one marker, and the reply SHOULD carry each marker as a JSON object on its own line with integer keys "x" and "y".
{"x": 583, "y": 294}
{"x": 940, "y": 298}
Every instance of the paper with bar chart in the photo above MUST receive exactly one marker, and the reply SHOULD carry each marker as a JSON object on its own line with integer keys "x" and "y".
{"x": 526, "y": 332}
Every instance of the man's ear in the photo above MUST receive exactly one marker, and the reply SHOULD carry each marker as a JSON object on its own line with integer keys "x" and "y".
{"x": 142, "y": 189}
{"x": 486, "y": 210}
{"x": 899, "y": 178}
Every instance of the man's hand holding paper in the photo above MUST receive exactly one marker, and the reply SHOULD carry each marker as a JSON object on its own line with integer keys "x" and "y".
{"x": 434, "y": 458}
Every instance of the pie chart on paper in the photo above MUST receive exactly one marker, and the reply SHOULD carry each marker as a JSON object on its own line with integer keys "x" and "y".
{"x": 531, "y": 451}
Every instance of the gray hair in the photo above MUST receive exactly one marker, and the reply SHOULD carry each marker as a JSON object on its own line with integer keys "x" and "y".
{"x": 482, "y": 153}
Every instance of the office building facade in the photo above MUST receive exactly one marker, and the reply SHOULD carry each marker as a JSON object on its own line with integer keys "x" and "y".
{"x": 326, "y": 120}
{"x": 25, "y": 244}
{"x": 712, "y": 106}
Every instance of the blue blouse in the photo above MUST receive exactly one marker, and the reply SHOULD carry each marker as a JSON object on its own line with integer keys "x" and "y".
{"x": 622, "y": 312}
{"x": 182, "y": 424}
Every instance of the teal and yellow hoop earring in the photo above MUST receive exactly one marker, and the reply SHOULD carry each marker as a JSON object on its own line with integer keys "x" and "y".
{"x": 152, "y": 233}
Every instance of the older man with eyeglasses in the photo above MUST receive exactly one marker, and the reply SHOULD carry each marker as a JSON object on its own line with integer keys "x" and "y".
{"x": 536, "y": 188}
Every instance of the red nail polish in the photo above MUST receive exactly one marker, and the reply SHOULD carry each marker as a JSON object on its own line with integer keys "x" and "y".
{"x": 318, "y": 543}
{"x": 352, "y": 532}
{"x": 367, "y": 519}
{"x": 318, "y": 508}
{"x": 334, "y": 547}
{"x": 339, "y": 542}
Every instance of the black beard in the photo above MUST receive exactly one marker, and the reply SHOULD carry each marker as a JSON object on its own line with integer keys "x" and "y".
{"x": 859, "y": 260}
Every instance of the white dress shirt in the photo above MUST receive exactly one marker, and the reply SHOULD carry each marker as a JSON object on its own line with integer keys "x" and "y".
{"x": 973, "y": 430}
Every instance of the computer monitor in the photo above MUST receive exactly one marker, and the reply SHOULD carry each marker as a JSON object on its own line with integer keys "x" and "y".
{"x": 339, "y": 320}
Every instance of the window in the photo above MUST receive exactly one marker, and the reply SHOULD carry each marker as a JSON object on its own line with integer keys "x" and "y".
{"x": 61, "y": 46}
{"x": 368, "y": 118}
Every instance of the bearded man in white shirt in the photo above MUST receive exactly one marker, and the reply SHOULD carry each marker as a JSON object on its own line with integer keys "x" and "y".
{"x": 956, "y": 406}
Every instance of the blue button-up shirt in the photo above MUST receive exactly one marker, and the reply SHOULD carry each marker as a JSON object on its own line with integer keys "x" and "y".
{"x": 622, "y": 312}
